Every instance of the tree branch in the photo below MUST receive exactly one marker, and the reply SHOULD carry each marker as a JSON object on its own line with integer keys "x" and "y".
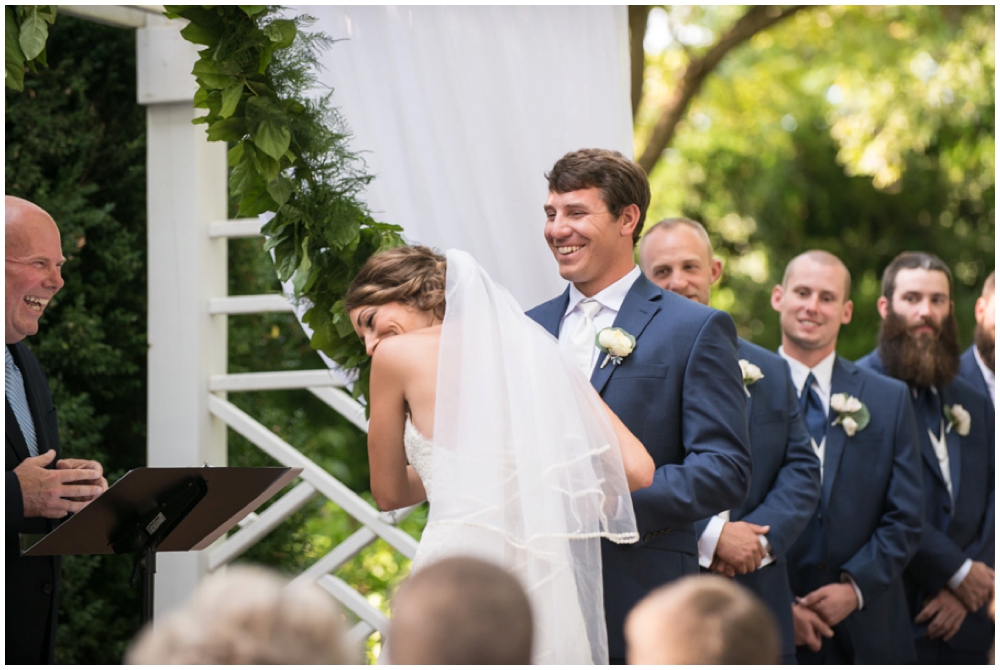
{"x": 638, "y": 15}
{"x": 756, "y": 19}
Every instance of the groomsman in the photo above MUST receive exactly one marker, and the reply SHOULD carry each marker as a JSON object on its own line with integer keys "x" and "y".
{"x": 949, "y": 583}
{"x": 977, "y": 367}
{"x": 846, "y": 567}
{"x": 678, "y": 389}
{"x": 749, "y": 541}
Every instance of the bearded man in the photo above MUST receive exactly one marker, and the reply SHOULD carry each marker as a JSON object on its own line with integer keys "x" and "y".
{"x": 949, "y": 582}
{"x": 977, "y": 366}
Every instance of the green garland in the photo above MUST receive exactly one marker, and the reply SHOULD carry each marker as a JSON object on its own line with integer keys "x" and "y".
{"x": 288, "y": 155}
{"x": 26, "y": 28}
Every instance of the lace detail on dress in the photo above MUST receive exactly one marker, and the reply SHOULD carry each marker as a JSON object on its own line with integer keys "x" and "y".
{"x": 418, "y": 452}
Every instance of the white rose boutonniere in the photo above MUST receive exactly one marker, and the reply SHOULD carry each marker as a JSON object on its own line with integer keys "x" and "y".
{"x": 751, "y": 374}
{"x": 616, "y": 344}
{"x": 852, "y": 414}
{"x": 958, "y": 418}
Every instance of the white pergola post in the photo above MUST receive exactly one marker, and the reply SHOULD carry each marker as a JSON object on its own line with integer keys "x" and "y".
{"x": 186, "y": 191}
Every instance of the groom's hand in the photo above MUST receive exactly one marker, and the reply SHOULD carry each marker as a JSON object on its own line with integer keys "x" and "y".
{"x": 740, "y": 546}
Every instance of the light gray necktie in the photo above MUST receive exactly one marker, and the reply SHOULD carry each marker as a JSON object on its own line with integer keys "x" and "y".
{"x": 581, "y": 340}
{"x": 14, "y": 387}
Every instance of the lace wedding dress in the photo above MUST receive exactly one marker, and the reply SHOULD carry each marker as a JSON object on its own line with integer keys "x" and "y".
{"x": 524, "y": 469}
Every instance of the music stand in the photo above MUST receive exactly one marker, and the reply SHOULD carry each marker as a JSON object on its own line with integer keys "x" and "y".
{"x": 163, "y": 509}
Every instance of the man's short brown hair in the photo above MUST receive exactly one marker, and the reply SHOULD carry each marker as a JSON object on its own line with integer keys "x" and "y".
{"x": 702, "y": 619}
{"x": 622, "y": 182}
{"x": 461, "y": 610}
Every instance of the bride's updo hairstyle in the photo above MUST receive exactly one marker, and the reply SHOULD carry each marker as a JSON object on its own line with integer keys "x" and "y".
{"x": 407, "y": 275}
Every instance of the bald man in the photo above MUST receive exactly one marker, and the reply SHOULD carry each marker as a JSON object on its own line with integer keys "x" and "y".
{"x": 846, "y": 568}
{"x": 41, "y": 487}
{"x": 751, "y": 540}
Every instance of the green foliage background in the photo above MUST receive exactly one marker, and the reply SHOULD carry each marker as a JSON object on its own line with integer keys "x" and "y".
{"x": 766, "y": 158}
{"x": 772, "y": 166}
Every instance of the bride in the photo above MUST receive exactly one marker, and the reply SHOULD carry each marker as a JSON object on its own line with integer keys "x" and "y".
{"x": 474, "y": 408}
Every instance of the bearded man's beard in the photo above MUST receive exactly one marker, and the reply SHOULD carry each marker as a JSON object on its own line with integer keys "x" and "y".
{"x": 919, "y": 360}
{"x": 985, "y": 343}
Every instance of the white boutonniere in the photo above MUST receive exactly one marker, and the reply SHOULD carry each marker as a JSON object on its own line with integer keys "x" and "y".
{"x": 851, "y": 413}
{"x": 751, "y": 375}
{"x": 958, "y": 418}
{"x": 616, "y": 343}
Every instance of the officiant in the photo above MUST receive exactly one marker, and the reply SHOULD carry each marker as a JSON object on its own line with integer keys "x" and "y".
{"x": 41, "y": 487}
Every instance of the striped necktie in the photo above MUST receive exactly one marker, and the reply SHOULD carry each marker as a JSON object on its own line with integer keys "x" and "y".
{"x": 14, "y": 387}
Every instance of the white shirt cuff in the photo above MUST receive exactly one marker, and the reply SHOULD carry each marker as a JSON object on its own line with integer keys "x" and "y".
{"x": 844, "y": 577}
{"x": 709, "y": 540}
{"x": 768, "y": 558}
{"x": 961, "y": 574}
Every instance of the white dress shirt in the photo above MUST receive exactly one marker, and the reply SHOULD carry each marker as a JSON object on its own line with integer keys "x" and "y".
{"x": 823, "y": 374}
{"x": 611, "y": 299}
{"x": 940, "y": 444}
{"x": 988, "y": 375}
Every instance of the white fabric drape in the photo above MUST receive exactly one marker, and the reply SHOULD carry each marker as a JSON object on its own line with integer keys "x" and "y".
{"x": 461, "y": 110}
{"x": 526, "y": 469}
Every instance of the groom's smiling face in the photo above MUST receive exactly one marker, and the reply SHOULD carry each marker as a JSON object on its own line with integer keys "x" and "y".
{"x": 592, "y": 247}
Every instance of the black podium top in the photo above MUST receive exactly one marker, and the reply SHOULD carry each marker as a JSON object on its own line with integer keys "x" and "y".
{"x": 232, "y": 493}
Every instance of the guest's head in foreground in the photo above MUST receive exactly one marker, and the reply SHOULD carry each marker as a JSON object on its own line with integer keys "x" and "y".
{"x": 397, "y": 291}
{"x": 462, "y": 611}
{"x": 813, "y": 301}
{"x": 247, "y": 616}
{"x": 676, "y": 254}
{"x": 985, "y": 336}
{"x": 702, "y": 619}
{"x": 594, "y": 214}
{"x": 918, "y": 338}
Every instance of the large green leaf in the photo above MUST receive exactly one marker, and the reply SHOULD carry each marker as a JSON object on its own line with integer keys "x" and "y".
{"x": 305, "y": 274}
{"x": 280, "y": 189}
{"x": 242, "y": 177}
{"x": 230, "y": 99}
{"x": 252, "y": 10}
{"x": 228, "y": 130}
{"x": 256, "y": 200}
{"x": 13, "y": 56}
{"x": 268, "y": 167}
{"x": 272, "y": 138}
{"x": 197, "y": 34}
{"x": 212, "y": 74}
{"x": 235, "y": 154}
{"x": 34, "y": 33}
{"x": 281, "y": 33}
{"x": 286, "y": 259}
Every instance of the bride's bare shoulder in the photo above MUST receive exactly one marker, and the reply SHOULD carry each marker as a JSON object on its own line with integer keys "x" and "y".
{"x": 408, "y": 351}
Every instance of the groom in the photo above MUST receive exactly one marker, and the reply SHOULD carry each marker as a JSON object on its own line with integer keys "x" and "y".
{"x": 680, "y": 390}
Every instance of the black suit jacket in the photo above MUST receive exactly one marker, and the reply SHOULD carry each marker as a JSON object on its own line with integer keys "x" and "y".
{"x": 32, "y": 583}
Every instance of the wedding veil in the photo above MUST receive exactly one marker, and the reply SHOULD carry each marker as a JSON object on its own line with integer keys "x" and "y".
{"x": 526, "y": 468}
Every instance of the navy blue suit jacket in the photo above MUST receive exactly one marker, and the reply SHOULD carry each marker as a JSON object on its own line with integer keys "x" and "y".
{"x": 964, "y": 529}
{"x": 31, "y": 583}
{"x": 681, "y": 393}
{"x": 786, "y": 483}
{"x": 969, "y": 372}
{"x": 868, "y": 522}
